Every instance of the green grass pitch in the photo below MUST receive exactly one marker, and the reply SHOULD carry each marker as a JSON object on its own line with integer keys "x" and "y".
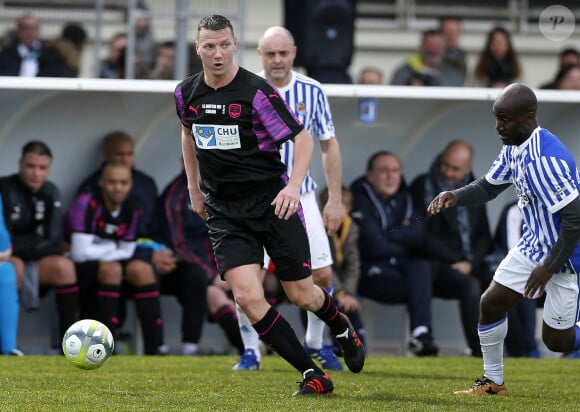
{"x": 387, "y": 383}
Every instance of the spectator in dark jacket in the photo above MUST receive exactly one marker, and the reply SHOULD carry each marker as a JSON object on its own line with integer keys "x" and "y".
{"x": 33, "y": 212}
{"x": 70, "y": 46}
{"x": 389, "y": 232}
{"x": 458, "y": 239}
{"x": 29, "y": 56}
{"x": 106, "y": 228}
{"x": 498, "y": 64}
{"x": 569, "y": 56}
{"x": 110, "y": 67}
{"x": 119, "y": 146}
{"x": 194, "y": 281}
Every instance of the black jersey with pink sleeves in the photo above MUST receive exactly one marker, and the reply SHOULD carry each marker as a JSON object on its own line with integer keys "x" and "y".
{"x": 237, "y": 131}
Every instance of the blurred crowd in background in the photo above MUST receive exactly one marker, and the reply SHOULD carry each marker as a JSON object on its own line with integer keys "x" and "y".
{"x": 439, "y": 59}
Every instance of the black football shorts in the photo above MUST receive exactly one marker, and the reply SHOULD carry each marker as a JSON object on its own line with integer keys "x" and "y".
{"x": 241, "y": 229}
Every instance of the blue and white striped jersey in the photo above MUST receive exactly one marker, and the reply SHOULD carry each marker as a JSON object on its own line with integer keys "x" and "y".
{"x": 546, "y": 179}
{"x": 306, "y": 98}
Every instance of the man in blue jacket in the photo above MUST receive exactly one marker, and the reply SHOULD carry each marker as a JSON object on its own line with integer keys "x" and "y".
{"x": 389, "y": 232}
{"x": 456, "y": 240}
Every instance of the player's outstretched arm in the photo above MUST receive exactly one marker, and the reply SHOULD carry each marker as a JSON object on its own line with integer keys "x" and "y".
{"x": 443, "y": 200}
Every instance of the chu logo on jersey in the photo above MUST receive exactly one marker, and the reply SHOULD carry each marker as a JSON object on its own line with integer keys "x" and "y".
{"x": 221, "y": 137}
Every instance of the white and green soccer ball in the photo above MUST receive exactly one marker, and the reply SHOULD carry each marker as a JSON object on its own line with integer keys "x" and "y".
{"x": 87, "y": 344}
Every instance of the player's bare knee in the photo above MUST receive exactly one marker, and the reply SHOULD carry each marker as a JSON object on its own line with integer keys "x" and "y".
{"x": 216, "y": 299}
{"x": 322, "y": 277}
{"x": 303, "y": 300}
{"x": 212, "y": 293}
{"x": 303, "y": 293}
{"x": 247, "y": 300}
{"x": 56, "y": 270}
{"x": 67, "y": 272}
{"x": 140, "y": 273}
{"x": 486, "y": 308}
{"x": 554, "y": 345}
{"x": 110, "y": 273}
{"x": 18, "y": 264}
{"x": 492, "y": 306}
{"x": 558, "y": 340}
{"x": 62, "y": 264}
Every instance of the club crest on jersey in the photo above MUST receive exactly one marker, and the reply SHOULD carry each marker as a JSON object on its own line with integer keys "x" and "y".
{"x": 301, "y": 109}
{"x": 523, "y": 199}
{"x": 222, "y": 137}
{"x": 235, "y": 110}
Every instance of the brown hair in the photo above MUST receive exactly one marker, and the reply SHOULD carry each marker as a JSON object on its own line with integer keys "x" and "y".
{"x": 214, "y": 22}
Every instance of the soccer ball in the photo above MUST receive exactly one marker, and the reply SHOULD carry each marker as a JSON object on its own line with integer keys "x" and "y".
{"x": 87, "y": 344}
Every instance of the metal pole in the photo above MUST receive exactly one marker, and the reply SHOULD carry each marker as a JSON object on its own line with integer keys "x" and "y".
{"x": 181, "y": 43}
{"x": 100, "y": 6}
{"x": 242, "y": 31}
{"x": 131, "y": 40}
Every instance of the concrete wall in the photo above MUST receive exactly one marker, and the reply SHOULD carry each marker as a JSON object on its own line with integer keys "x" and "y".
{"x": 72, "y": 115}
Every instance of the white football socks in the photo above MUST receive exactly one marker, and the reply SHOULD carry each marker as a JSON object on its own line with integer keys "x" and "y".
{"x": 491, "y": 338}
{"x": 314, "y": 331}
{"x": 249, "y": 335}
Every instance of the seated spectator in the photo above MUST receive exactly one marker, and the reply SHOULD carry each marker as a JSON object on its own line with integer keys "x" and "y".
{"x": 21, "y": 56}
{"x": 370, "y": 75}
{"x": 29, "y": 56}
{"x": 568, "y": 78}
{"x": 105, "y": 225}
{"x": 70, "y": 45}
{"x": 457, "y": 239}
{"x": 454, "y": 64}
{"x": 521, "y": 336}
{"x": 110, "y": 66}
{"x": 184, "y": 232}
{"x": 567, "y": 57}
{"x": 422, "y": 68}
{"x": 118, "y": 146}
{"x": 141, "y": 69}
{"x": 32, "y": 210}
{"x": 498, "y": 64}
{"x": 389, "y": 232}
{"x": 145, "y": 42}
{"x": 164, "y": 68}
{"x": 346, "y": 263}
{"x": 8, "y": 293}
{"x": 114, "y": 67}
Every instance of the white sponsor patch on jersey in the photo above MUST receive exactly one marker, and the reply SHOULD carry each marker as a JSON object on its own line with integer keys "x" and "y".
{"x": 216, "y": 136}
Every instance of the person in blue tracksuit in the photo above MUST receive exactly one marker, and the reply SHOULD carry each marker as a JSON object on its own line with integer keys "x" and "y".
{"x": 8, "y": 293}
